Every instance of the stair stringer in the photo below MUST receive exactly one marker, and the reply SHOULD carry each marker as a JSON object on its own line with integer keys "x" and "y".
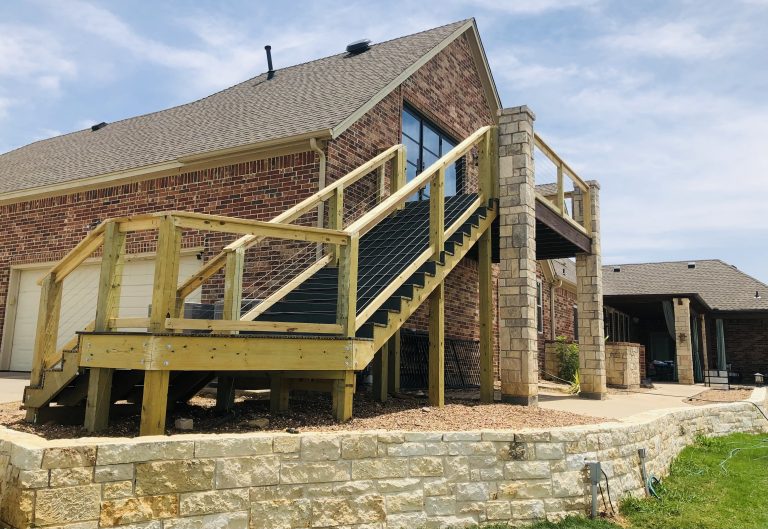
{"x": 54, "y": 381}
{"x": 420, "y": 294}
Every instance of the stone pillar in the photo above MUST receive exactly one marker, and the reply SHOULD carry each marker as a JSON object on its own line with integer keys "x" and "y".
{"x": 683, "y": 344}
{"x": 589, "y": 300}
{"x": 518, "y": 337}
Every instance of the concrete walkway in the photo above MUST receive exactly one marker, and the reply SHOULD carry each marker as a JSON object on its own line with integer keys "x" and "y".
{"x": 12, "y": 384}
{"x": 620, "y": 405}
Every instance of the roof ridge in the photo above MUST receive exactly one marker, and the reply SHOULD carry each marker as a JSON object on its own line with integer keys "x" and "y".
{"x": 262, "y": 74}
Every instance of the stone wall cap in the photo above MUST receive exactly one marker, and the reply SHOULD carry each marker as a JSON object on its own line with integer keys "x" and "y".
{"x": 522, "y": 109}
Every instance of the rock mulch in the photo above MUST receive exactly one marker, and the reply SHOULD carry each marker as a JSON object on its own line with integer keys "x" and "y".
{"x": 719, "y": 395}
{"x": 312, "y": 412}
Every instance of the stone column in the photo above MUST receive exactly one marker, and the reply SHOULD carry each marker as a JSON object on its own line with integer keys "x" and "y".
{"x": 589, "y": 300}
{"x": 683, "y": 344}
{"x": 518, "y": 337}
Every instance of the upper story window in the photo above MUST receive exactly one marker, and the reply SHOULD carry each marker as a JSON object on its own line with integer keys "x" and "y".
{"x": 425, "y": 143}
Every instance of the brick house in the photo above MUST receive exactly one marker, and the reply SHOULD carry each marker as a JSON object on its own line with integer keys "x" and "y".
{"x": 251, "y": 151}
{"x": 690, "y": 316}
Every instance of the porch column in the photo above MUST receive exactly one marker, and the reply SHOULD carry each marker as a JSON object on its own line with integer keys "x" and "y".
{"x": 518, "y": 338}
{"x": 683, "y": 347}
{"x": 589, "y": 301}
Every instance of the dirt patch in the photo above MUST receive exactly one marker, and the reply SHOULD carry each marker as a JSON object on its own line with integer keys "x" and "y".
{"x": 720, "y": 395}
{"x": 313, "y": 413}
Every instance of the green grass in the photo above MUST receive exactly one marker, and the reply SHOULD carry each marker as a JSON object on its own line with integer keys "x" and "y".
{"x": 571, "y": 522}
{"x": 715, "y": 483}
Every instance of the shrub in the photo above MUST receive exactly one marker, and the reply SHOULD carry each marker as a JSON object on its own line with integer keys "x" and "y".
{"x": 568, "y": 355}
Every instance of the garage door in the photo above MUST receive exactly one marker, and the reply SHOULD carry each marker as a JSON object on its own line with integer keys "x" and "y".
{"x": 78, "y": 304}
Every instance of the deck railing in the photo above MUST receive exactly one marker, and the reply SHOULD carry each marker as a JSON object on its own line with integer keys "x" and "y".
{"x": 557, "y": 201}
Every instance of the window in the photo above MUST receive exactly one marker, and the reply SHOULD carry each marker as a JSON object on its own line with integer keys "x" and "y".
{"x": 575, "y": 323}
{"x": 539, "y": 307}
{"x": 424, "y": 144}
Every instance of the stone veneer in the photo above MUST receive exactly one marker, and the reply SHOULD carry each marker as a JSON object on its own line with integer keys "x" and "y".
{"x": 366, "y": 480}
{"x": 622, "y": 361}
{"x": 683, "y": 347}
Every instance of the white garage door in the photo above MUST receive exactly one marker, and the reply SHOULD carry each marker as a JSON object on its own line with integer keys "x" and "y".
{"x": 78, "y": 304}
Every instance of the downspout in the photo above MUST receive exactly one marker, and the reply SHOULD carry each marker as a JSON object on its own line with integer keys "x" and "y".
{"x": 320, "y": 185}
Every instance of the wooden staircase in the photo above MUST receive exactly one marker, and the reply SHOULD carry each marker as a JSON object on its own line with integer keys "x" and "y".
{"x": 318, "y": 329}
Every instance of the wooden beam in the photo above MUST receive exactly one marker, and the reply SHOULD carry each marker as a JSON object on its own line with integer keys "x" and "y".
{"x": 380, "y": 373}
{"x": 283, "y": 291}
{"x": 393, "y": 379}
{"x": 563, "y": 226}
{"x": 437, "y": 346}
{"x": 233, "y": 284}
{"x": 344, "y": 391}
{"x": 230, "y": 326}
{"x": 346, "y": 310}
{"x": 47, "y": 330}
{"x": 279, "y": 394}
{"x": 166, "y": 274}
{"x": 200, "y": 221}
{"x": 225, "y": 394}
{"x": 99, "y": 397}
{"x": 485, "y": 273}
{"x": 128, "y": 323}
{"x": 154, "y": 403}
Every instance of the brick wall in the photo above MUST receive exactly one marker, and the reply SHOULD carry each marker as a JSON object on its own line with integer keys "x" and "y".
{"x": 746, "y": 346}
{"x": 564, "y": 324}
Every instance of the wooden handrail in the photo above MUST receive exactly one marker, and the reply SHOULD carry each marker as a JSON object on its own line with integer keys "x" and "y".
{"x": 373, "y": 217}
{"x": 217, "y": 263}
{"x": 559, "y": 162}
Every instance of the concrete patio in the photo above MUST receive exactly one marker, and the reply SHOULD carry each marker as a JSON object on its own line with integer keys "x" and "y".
{"x": 12, "y": 385}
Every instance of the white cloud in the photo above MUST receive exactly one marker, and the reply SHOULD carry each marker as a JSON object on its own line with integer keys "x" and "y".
{"x": 5, "y": 105}
{"x": 533, "y": 7}
{"x": 33, "y": 54}
{"x": 678, "y": 40}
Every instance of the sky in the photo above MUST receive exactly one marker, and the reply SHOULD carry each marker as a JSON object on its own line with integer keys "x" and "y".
{"x": 664, "y": 103}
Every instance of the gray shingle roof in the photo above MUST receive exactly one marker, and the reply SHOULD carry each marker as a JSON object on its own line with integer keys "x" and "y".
{"x": 719, "y": 284}
{"x": 306, "y": 98}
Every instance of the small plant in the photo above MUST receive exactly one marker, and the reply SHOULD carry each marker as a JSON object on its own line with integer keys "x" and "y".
{"x": 568, "y": 355}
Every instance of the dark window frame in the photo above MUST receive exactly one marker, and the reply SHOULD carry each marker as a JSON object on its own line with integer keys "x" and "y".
{"x": 539, "y": 307}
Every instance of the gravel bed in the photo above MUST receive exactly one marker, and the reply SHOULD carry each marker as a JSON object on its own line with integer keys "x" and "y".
{"x": 720, "y": 395}
{"x": 312, "y": 412}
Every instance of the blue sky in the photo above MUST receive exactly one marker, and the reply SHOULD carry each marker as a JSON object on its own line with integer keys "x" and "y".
{"x": 663, "y": 102}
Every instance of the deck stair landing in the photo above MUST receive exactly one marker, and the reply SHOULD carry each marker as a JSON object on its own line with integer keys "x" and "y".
{"x": 314, "y": 332}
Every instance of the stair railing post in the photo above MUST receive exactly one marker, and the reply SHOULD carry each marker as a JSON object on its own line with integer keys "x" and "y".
{"x": 560, "y": 190}
{"x": 107, "y": 307}
{"x": 437, "y": 213}
{"x": 47, "y": 330}
{"x": 154, "y": 402}
{"x": 398, "y": 171}
{"x": 336, "y": 218}
{"x": 346, "y": 306}
{"x": 232, "y": 309}
{"x": 437, "y": 297}
{"x": 485, "y": 272}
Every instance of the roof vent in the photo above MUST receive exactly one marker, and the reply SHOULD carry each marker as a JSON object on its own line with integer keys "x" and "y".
{"x": 98, "y": 126}
{"x": 691, "y": 265}
{"x": 271, "y": 71}
{"x": 617, "y": 269}
{"x": 359, "y": 46}
{"x": 757, "y": 295}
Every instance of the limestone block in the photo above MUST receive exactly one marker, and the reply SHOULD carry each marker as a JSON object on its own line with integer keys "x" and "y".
{"x": 406, "y": 520}
{"x": 440, "y": 505}
{"x": 498, "y": 510}
{"x": 471, "y": 448}
{"x": 405, "y": 501}
{"x": 286, "y": 444}
{"x": 354, "y": 488}
{"x": 525, "y": 489}
{"x": 214, "y": 501}
{"x": 232, "y": 520}
{"x": 159, "y": 477}
{"x": 117, "y": 489}
{"x": 359, "y": 446}
{"x": 463, "y": 521}
{"x": 26, "y": 458}
{"x": 69, "y": 477}
{"x": 134, "y": 452}
{"x": 550, "y": 450}
{"x": 135, "y": 510}
{"x": 423, "y": 437}
{"x": 113, "y": 473}
{"x": 426, "y": 466}
{"x": 391, "y": 437}
{"x": 280, "y": 514}
{"x": 528, "y": 510}
{"x": 526, "y": 469}
{"x": 67, "y": 457}
{"x": 320, "y": 448}
{"x": 407, "y": 449}
{"x": 398, "y": 485}
{"x": 238, "y": 472}
{"x": 390, "y": 467}
{"x": 476, "y": 491}
{"x": 32, "y": 479}
{"x": 233, "y": 446}
{"x": 317, "y": 472}
{"x": 566, "y": 484}
{"x": 437, "y": 487}
{"x": 276, "y": 492}
{"x": 17, "y": 507}
{"x": 462, "y": 436}
{"x": 69, "y": 504}
{"x": 456, "y": 468}
{"x": 347, "y": 511}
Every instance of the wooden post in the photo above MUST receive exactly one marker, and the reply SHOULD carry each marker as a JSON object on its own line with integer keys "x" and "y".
{"x": 344, "y": 390}
{"x": 154, "y": 403}
{"x": 107, "y": 307}
{"x": 486, "y": 317}
{"x": 279, "y": 394}
{"x": 437, "y": 213}
{"x": 225, "y": 394}
{"x": 437, "y": 346}
{"x": 485, "y": 180}
{"x": 560, "y": 189}
{"x": 398, "y": 172}
{"x": 233, "y": 284}
{"x": 380, "y": 373}
{"x": 47, "y": 330}
{"x": 381, "y": 181}
{"x": 166, "y": 274}
{"x": 346, "y": 308}
{"x": 336, "y": 218}
{"x": 393, "y": 379}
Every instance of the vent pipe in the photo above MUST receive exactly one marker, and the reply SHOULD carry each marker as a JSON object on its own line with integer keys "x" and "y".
{"x": 271, "y": 71}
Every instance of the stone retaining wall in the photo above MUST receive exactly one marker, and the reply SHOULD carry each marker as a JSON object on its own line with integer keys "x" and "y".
{"x": 363, "y": 480}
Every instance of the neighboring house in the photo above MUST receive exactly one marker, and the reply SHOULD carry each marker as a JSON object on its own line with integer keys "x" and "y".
{"x": 690, "y": 316}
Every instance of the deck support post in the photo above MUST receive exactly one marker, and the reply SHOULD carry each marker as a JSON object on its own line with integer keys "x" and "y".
{"x": 343, "y": 393}
{"x": 225, "y": 394}
{"x": 279, "y": 393}
{"x": 347, "y": 290}
{"x": 393, "y": 379}
{"x": 437, "y": 346}
{"x": 107, "y": 306}
{"x": 486, "y": 317}
{"x": 154, "y": 403}
{"x": 381, "y": 373}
